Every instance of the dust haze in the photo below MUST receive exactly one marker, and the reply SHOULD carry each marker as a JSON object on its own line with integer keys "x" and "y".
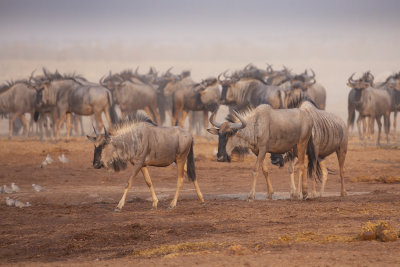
{"x": 208, "y": 37}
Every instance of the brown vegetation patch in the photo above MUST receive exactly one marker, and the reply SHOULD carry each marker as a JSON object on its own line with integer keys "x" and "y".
{"x": 305, "y": 237}
{"x": 186, "y": 248}
{"x": 382, "y": 231}
{"x": 386, "y": 179}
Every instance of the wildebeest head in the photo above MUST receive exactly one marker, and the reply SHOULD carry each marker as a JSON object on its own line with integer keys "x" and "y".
{"x": 227, "y": 139}
{"x": 100, "y": 142}
{"x": 359, "y": 85}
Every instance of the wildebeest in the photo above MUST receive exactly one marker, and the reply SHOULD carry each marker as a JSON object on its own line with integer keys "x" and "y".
{"x": 392, "y": 85}
{"x": 373, "y": 103}
{"x": 143, "y": 144}
{"x": 16, "y": 98}
{"x": 67, "y": 94}
{"x": 250, "y": 93}
{"x": 187, "y": 96}
{"x": 267, "y": 130}
{"x": 132, "y": 94}
{"x": 329, "y": 135}
{"x": 315, "y": 91}
{"x": 353, "y": 105}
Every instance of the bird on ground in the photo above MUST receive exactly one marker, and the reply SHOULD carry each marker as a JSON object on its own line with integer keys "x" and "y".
{"x": 38, "y": 188}
{"x": 15, "y": 188}
{"x": 10, "y": 202}
{"x": 63, "y": 159}
{"x": 6, "y": 190}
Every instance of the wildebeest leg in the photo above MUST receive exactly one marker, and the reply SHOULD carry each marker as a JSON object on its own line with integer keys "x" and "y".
{"x": 100, "y": 123}
{"x": 341, "y": 155}
{"x": 68, "y": 126}
{"x": 292, "y": 184}
{"x": 205, "y": 114}
{"x": 303, "y": 161}
{"x": 198, "y": 192}
{"x": 268, "y": 180}
{"x": 379, "y": 122}
{"x": 183, "y": 118}
{"x": 360, "y": 134}
{"x": 324, "y": 177}
{"x": 180, "y": 164}
{"x": 146, "y": 175}
{"x": 136, "y": 169}
{"x": 386, "y": 125}
{"x": 25, "y": 124}
{"x": 256, "y": 170}
{"x": 394, "y": 124}
{"x": 371, "y": 127}
{"x": 11, "y": 124}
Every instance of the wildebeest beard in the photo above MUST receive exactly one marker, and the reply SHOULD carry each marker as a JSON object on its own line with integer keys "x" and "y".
{"x": 357, "y": 96}
{"x": 115, "y": 163}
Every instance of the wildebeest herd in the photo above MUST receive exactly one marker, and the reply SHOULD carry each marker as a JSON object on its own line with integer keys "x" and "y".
{"x": 270, "y": 111}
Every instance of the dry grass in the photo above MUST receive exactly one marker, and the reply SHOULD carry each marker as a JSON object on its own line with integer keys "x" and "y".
{"x": 382, "y": 231}
{"x": 305, "y": 237}
{"x": 179, "y": 249}
{"x": 386, "y": 179}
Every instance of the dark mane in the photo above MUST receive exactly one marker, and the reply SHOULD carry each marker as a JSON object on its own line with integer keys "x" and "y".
{"x": 9, "y": 84}
{"x": 56, "y": 76}
{"x": 132, "y": 120}
{"x": 294, "y": 101}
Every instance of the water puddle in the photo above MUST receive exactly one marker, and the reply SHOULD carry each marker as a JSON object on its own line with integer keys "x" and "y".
{"x": 258, "y": 196}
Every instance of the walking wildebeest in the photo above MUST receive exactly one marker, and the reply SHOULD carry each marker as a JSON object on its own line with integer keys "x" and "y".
{"x": 373, "y": 103}
{"x": 69, "y": 95}
{"x": 329, "y": 135}
{"x": 267, "y": 130}
{"x": 17, "y": 99}
{"x": 142, "y": 143}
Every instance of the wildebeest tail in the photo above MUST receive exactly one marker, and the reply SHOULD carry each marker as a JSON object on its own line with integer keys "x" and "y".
{"x": 36, "y": 116}
{"x": 173, "y": 109}
{"x": 161, "y": 107}
{"x": 352, "y": 115}
{"x": 190, "y": 165}
{"x": 313, "y": 163}
{"x": 111, "y": 110}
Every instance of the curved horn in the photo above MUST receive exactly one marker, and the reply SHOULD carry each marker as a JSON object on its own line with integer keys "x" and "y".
{"x": 350, "y": 80}
{"x": 212, "y": 120}
{"x": 219, "y": 77}
{"x": 101, "y": 81}
{"x": 269, "y": 68}
{"x": 238, "y": 125}
{"x": 313, "y": 74}
{"x": 168, "y": 70}
{"x": 31, "y": 77}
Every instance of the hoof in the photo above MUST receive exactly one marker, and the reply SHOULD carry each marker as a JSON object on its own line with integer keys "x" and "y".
{"x": 117, "y": 210}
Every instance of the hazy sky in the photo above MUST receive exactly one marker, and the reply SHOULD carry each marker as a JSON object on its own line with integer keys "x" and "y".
{"x": 260, "y": 21}
{"x": 335, "y": 38}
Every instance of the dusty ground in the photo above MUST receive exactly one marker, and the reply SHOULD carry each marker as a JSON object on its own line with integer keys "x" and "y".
{"x": 73, "y": 222}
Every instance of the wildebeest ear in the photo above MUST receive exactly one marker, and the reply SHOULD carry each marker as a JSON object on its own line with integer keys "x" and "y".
{"x": 91, "y": 138}
{"x": 213, "y": 131}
